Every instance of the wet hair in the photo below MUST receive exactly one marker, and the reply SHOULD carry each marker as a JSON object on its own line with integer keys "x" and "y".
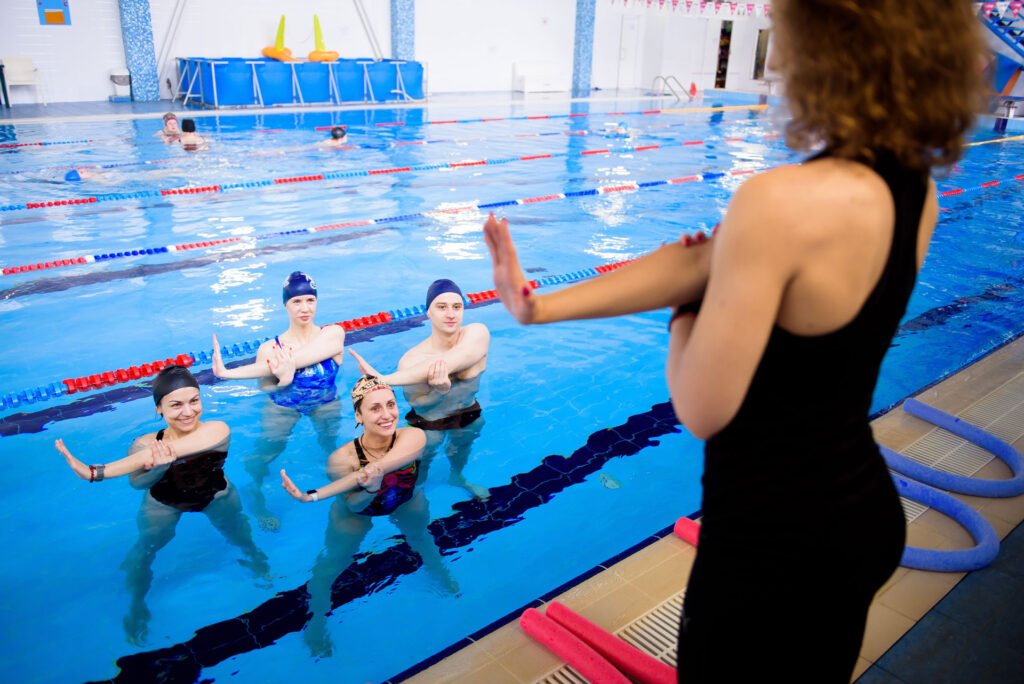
{"x": 338, "y": 132}
{"x": 866, "y": 75}
{"x": 170, "y": 379}
{"x": 363, "y": 386}
{"x": 188, "y": 126}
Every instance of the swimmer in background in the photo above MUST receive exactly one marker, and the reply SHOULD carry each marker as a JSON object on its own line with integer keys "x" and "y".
{"x": 298, "y": 368}
{"x": 339, "y": 137}
{"x": 378, "y": 473}
{"x": 170, "y": 133}
{"x": 181, "y": 467}
{"x": 441, "y": 377}
{"x": 190, "y": 140}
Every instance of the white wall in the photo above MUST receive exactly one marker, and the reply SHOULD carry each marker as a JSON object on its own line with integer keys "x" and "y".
{"x": 670, "y": 44}
{"x": 242, "y": 28}
{"x": 471, "y": 45}
{"x": 74, "y": 61}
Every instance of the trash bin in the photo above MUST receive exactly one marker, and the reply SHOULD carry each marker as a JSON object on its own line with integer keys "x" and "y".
{"x": 122, "y": 80}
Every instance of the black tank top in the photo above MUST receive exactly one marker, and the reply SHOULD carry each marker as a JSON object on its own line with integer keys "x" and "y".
{"x": 191, "y": 483}
{"x": 798, "y": 461}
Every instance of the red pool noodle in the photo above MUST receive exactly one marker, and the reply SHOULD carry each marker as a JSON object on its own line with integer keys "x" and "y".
{"x": 633, "y": 662}
{"x": 562, "y": 643}
{"x": 687, "y": 530}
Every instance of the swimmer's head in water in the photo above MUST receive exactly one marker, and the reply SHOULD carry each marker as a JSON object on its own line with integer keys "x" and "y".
{"x": 170, "y": 379}
{"x": 188, "y": 126}
{"x": 440, "y": 287}
{"x": 297, "y": 285}
{"x": 338, "y": 132}
{"x": 73, "y": 175}
{"x": 364, "y": 386}
{"x": 170, "y": 122}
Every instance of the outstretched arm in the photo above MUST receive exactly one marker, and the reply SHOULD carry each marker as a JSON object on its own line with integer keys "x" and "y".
{"x": 274, "y": 362}
{"x": 408, "y": 447}
{"x": 155, "y": 454}
{"x": 467, "y": 352}
{"x": 673, "y": 274}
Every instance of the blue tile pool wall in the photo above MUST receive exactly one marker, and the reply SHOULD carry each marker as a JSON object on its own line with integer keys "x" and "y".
{"x": 139, "y": 52}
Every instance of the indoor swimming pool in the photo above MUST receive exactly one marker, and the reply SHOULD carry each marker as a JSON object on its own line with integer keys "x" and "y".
{"x": 155, "y": 250}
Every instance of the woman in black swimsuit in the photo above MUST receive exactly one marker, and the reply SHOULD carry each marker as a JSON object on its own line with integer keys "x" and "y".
{"x": 182, "y": 468}
{"x": 783, "y": 319}
{"x": 377, "y": 473}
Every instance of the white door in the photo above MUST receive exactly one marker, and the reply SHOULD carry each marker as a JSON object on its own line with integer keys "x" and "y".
{"x": 629, "y": 54}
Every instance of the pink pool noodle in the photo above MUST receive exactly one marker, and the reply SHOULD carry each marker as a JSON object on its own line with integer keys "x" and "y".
{"x": 562, "y": 643}
{"x": 636, "y": 664}
{"x": 687, "y": 530}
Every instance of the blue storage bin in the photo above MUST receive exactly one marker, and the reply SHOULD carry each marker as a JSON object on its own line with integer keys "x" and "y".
{"x": 348, "y": 77}
{"x": 412, "y": 79}
{"x": 314, "y": 81}
{"x": 275, "y": 79}
{"x": 383, "y": 80}
{"x": 234, "y": 83}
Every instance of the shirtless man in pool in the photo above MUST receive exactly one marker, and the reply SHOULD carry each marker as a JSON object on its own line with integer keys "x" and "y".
{"x": 441, "y": 377}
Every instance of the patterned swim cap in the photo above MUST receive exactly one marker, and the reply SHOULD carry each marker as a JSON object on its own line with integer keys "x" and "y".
{"x": 364, "y": 386}
{"x": 297, "y": 285}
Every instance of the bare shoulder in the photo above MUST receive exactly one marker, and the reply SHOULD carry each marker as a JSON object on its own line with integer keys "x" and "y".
{"x": 476, "y": 332}
{"x": 412, "y": 436}
{"x": 414, "y": 355}
{"x": 216, "y": 429}
{"x": 141, "y": 442}
{"x": 334, "y": 332}
{"x": 807, "y": 201}
{"x": 343, "y": 458}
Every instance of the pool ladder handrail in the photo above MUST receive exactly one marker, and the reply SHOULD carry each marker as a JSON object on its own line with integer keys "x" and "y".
{"x": 667, "y": 80}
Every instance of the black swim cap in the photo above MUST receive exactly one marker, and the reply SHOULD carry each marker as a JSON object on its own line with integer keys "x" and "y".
{"x": 338, "y": 132}
{"x": 188, "y": 125}
{"x": 296, "y": 285}
{"x": 440, "y": 287}
{"x": 170, "y": 379}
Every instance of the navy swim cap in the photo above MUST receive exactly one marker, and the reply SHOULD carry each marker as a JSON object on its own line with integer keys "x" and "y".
{"x": 170, "y": 379}
{"x": 338, "y": 132}
{"x": 73, "y": 175}
{"x": 440, "y": 287}
{"x": 296, "y": 285}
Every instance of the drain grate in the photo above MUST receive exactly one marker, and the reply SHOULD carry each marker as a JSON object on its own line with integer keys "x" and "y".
{"x": 1001, "y": 412}
{"x": 654, "y": 633}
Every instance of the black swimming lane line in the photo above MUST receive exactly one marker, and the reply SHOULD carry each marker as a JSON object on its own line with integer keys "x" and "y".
{"x": 61, "y": 283}
{"x": 288, "y": 611}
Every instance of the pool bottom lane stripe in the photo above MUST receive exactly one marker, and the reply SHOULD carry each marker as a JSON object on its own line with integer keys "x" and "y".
{"x": 288, "y": 611}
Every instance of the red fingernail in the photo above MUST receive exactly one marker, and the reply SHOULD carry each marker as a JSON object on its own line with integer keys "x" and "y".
{"x": 526, "y": 290}
{"x": 701, "y": 237}
{"x": 687, "y": 241}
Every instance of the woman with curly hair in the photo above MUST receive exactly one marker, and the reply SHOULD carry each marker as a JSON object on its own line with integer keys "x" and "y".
{"x": 782, "y": 321}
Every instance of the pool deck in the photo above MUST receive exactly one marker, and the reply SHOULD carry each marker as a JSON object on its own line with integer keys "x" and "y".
{"x": 923, "y": 627}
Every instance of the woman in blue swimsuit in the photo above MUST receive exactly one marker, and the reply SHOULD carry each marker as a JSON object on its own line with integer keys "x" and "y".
{"x": 182, "y": 468}
{"x": 294, "y": 390}
{"x": 377, "y": 474}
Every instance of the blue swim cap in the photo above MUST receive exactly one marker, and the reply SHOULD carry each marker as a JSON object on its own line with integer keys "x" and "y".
{"x": 73, "y": 175}
{"x": 296, "y": 285}
{"x": 440, "y": 287}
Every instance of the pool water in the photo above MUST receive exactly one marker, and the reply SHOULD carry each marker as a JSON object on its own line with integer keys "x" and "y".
{"x": 579, "y": 449}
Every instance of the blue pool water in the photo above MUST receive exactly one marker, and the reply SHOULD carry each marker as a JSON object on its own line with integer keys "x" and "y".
{"x": 579, "y": 448}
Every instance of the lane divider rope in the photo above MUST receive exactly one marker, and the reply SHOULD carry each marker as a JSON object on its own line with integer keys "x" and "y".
{"x": 315, "y": 177}
{"x": 143, "y": 251}
{"x": 95, "y": 381}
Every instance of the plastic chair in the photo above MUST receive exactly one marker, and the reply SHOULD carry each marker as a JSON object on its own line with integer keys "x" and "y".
{"x": 20, "y": 71}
